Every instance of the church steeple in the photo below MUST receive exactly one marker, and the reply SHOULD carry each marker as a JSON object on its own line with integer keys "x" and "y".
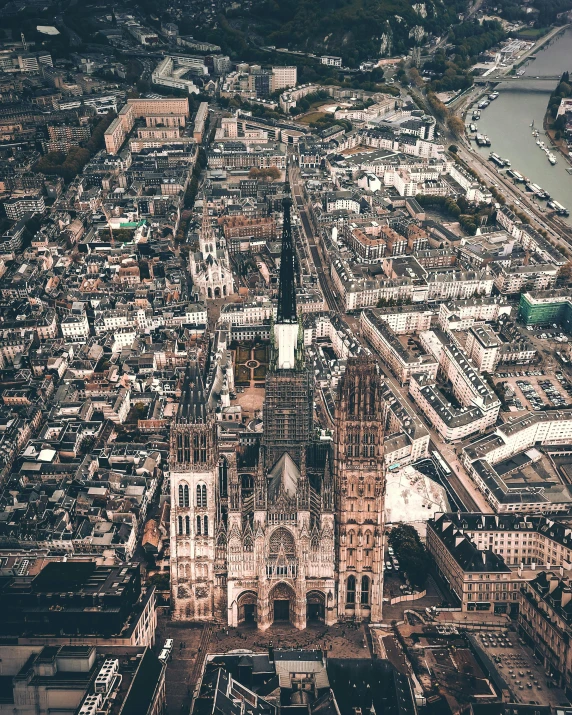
{"x": 193, "y": 405}
{"x": 287, "y": 287}
{"x": 207, "y": 240}
{"x": 286, "y": 329}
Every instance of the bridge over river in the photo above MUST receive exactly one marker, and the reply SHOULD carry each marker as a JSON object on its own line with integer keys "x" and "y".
{"x": 496, "y": 78}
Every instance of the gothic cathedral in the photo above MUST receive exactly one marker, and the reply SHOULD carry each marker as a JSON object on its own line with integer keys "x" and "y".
{"x": 299, "y": 538}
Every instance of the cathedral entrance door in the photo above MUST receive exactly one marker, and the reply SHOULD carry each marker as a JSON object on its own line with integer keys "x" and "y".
{"x": 315, "y": 606}
{"x": 247, "y": 607}
{"x": 281, "y": 610}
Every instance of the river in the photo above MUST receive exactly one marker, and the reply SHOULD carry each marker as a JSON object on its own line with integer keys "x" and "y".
{"x": 507, "y": 121}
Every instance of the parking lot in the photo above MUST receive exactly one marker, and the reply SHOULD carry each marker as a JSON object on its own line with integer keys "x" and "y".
{"x": 524, "y": 675}
{"x": 553, "y": 334}
{"x": 534, "y": 389}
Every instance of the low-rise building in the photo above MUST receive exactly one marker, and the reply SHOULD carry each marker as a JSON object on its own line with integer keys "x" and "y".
{"x": 82, "y": 679}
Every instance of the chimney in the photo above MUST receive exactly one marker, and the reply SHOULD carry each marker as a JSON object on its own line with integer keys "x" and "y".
{"x": 566, "y": 595}
{"x": 552, "y": 582}
{"x": 271, "y": 652}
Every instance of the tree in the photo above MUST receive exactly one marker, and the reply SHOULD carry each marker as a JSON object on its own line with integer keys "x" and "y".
{"x": 271, "y": 173}
{"x": 566, "y": 271}
{"x": 437, "y": 106}
{"x": 411, "y": 553}
{"x": 416, "y": 77}
{"x": 456, "y": 125}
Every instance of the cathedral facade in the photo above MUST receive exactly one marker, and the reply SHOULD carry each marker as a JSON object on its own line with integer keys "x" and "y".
{"x": 298, "y": 537}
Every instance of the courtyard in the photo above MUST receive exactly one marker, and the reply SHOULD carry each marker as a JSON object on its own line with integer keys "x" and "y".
{"x": 250, "y": 364}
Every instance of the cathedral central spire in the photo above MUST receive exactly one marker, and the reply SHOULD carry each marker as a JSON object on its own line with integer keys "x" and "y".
{"x": 287, "y": 287}
{"x": 286, "y": 329}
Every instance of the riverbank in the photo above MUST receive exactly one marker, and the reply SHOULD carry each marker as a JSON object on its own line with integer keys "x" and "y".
{"x": 507, "y": 122}
{"x": 538, "y": 45}
{"x": 560, "y": 144}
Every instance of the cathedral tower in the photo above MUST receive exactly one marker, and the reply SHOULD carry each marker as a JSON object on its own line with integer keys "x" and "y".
{"x": 288, "y": 403}
{"x": 360, "y": 490}
{"x": 194, "y": 469}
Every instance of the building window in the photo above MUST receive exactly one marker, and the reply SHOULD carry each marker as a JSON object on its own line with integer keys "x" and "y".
{"x": 201, "y": 496}
{"x": 223, "y": 478}
{"x": 206, "y": 526}
{"x": 351, "y": 590}
{"x": 183, "y": 495}
{"x": 365, "y": 583}
{"x": 199, "y": 524}
{"x": 188, "y": 525}
{"x": 180, "y": 525}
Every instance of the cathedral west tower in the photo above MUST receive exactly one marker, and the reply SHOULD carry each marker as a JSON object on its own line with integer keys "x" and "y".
{"x": 195, "y": 592}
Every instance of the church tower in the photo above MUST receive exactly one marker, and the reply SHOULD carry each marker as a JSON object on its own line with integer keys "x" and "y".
{"x": 288, "y": 403}
{"x": 210, "y": 265}
{"x": 194, "y": 469}
{"x": 360, "y": 490}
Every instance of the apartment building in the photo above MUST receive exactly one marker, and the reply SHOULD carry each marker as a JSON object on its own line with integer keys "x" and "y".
{"x": 507, "y": 465}
{"x": 463, "y": 314}
{"x": 468, "y": 386}
{"x": 545, "y": 621}
{"x": 18, "y": 206}
{"x": 402, "y": 361}
{"x": 64, "y": 136}
{"x": 284, "y": 77}
{"x": 249, "y": 313}
{"x": 407, "y": 435}
{"x": 483, "y": 348}
{"x": 200, "y": 121}
{"x": 75, "y": 328}
{"x": 407, "y": 318}
{"x": 521, "y": 539}
{"x": 371, "y": 249}
{"x": 517, "y": 279}
{"x": 114, "y": 136}
{"x": 331, "y": 60}
{"x": 452, "y": 422}
{"x": 168, "y": 73}
{"x": 479, "y": 578}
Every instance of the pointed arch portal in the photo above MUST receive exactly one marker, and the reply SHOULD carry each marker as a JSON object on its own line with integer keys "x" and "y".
{"x": 315, "y": 606}
{"x": 282, "y": 601}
